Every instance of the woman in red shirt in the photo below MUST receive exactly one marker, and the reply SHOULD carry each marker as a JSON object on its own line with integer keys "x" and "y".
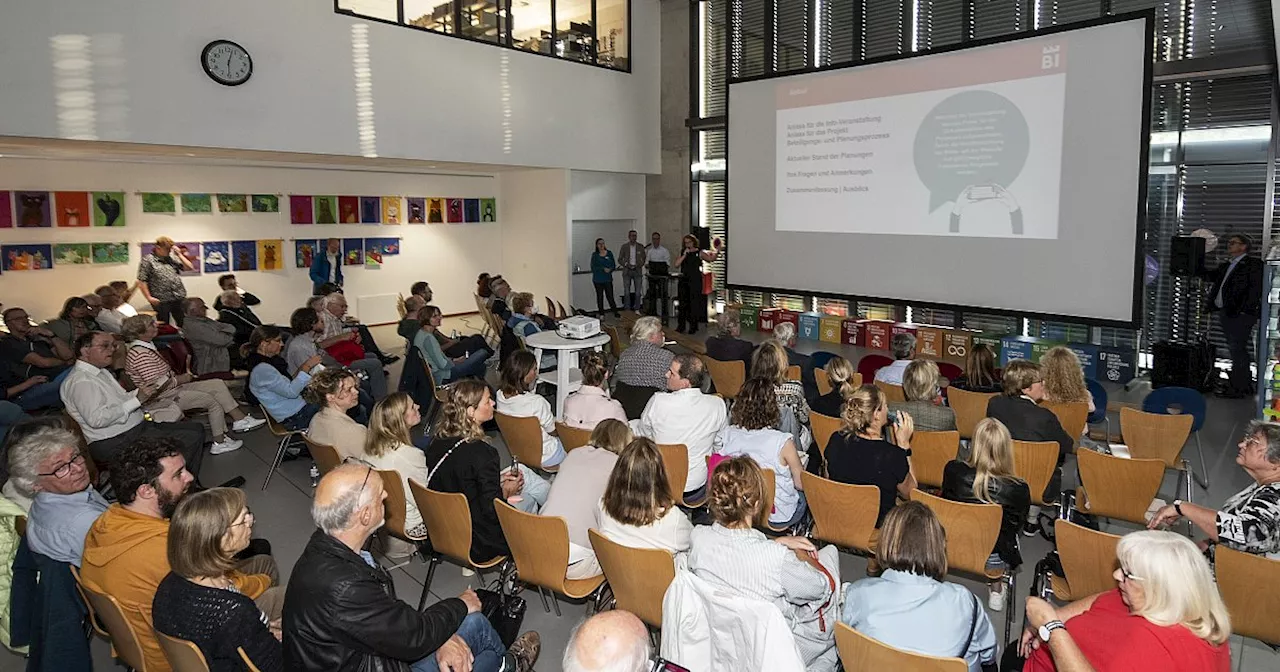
{"x": 1165, "y": 615}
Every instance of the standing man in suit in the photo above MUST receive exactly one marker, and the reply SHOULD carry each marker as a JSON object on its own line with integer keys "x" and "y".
{"x": 631, "y": 258}
{"x": 1234, "y": 293}
{"x": 327, "y": 267}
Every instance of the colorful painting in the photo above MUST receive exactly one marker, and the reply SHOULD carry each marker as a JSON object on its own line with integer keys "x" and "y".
{"x": 326, "y": 209}
{"x": 370, "y": 210}
{"x": 159, "y": 204}
{"x": 352, "y": 251}
{"x": 304, "y": 252}
{"x": 72, "y": 208}
{"x": 33, "y": 210}
{"x": 108, "y": 209}
{"x": 197, "y": 204}
{"x": 271, "y": 255}
{"x": 435, "y": 210}
{"x": 349, "y": 209}
{"x": 73, "y": 253}
{"x": 27, "y": 257}
{"x": 417, "y": 210}
{"x": 244, "y": 255}
{"x": 300, "y": 210}
{"x": 383, "y": 246}
{"x": 471, "y": 210}
{"x": 391, "y": 212}
{"x": 455, "y": 211}
{"x": 110, "y": 253}
{"x": 488, "y": 210}
{"x": 6, "y": 210}
{"x": 217, "y": 257}
{"x": 372, "y": 260}
{"x": 265, "y": 202}
{"x": 233, "y": 203}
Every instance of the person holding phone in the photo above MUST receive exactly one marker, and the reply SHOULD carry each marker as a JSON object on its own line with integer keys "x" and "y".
{"x": 860, "y": 454}
{"x": 160, "y": 280}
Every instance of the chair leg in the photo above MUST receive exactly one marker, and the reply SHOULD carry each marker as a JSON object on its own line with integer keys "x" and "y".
{"x": 275, "y": 464}
{"x": 1204, "y": 468}
{"x": 545, "y": 607}
{"x": 426, "y": 585}
{"x": 1010, "y": 581}
{"x": 555, "y": 602}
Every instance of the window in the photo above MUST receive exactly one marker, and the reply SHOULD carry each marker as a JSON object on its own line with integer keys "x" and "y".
{"x": 483, "y": 20}
{"x": 531, "y": 25}
{"x": 374, "y": 9}
{"x": 575, "y": 30}
{"x": 434, "y": 15}
{"x": 613, "y": 46}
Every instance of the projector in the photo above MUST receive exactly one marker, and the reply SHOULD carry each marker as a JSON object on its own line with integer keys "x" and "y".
{"x": 578, "y": 326}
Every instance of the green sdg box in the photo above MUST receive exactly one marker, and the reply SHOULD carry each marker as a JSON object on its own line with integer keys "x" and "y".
{"x": 829, "y": 329}
{"x": 1116, "y": 365}
{"x": 810, "y": 325}
{"x": 1088, "y": 355}
{"x": 1040, "y": 346}
{"x": 750, "y": 316}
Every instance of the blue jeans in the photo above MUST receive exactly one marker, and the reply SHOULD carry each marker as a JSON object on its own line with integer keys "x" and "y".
{"x": 486, "y": 647}
{"x": 472, "y": 366}
{"x": 44, "y": 395}
{"x": 302, "y": 419}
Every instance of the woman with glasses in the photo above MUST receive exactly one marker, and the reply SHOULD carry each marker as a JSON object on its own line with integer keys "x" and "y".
{"x": 1166, "y": 614}
{"x": 198, "y": 601}
{"x": 269, "y": 380}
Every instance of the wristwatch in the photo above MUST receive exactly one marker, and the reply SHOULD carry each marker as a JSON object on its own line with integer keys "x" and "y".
{"x": 1177, "y": 506}
{"x": 1048, "y": 628}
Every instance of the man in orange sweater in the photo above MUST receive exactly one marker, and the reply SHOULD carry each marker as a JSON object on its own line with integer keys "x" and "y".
{"x": 125, "y": 552}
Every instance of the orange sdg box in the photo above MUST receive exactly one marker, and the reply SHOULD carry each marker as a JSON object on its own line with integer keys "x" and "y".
{"x": 930, "y": 341}
{"x": 956, "y": 345}
{"x": 878, "y": 334}
{"x": 829, "y": 330}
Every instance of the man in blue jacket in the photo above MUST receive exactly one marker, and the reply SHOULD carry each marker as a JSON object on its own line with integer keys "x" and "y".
{"x": 327, "y": 267}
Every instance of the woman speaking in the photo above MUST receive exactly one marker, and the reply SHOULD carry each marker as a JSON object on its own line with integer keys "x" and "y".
{"x": 693, "y": 308}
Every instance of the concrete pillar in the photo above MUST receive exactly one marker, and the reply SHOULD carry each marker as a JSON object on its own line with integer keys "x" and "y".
{"x": 667, "y": 195}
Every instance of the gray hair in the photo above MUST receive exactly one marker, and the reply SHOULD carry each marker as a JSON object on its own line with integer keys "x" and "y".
{"x": 903, "y": 345}
{"x": 636, "y": 659}
{"x": 645, "y": 328}
{"x": 189, "y": 304}
{"x": 227, "y": 295}
{"x": 330, "y": 299}
{"x": 134, "y": 326}
{"x": 730, "y": 321}
{"x": 27, "y": 450}
{"x": 413, "y": 302}
{"x": 314, "y": 300}
{"x": 784, "y": 331}
{"x": 1269, "y": 431}
{"x": 335, "y": 516}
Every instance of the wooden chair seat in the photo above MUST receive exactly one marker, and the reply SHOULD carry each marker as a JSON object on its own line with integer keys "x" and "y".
{"x": 793, "y": 373}
{"x": 860, "y": 652}
{"x": 823, "y": 427}
{"x": 770, "y": 489}
{"x": 892, "y": 393}
{"x": 523, "y": 436}
{"x": 1116, "y": 487}
{"x": 570, "y": 437}
{"x": 124, "y": 639}
{"x": 930, "y": 453}
{"x": 638, "y": 577}
{"x": 326, "y": 457}
{"x": 183, "y": 655}
{"x": 843, "y": 514}
{"x": 1250, "y": 586}
{"x": 727, "y": 376}
{"x": 1035, "y": 463}
{"x": 540, "y": 547}
{"x": 823, "y": 380}
{"x": 970, "y": 407}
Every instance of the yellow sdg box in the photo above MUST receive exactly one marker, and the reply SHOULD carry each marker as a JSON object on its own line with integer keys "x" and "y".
{"x": 829, "y": 329}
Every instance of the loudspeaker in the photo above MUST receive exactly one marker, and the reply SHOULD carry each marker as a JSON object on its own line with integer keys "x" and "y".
{"x": 704, "y": 237}
{"x": 1186, "y": 255}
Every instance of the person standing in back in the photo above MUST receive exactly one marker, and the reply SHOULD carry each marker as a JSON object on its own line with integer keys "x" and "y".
{"x": 160, "y": 282}
{"x": 1235, "y": 294}
{"x": 631, "y": 258}
{"x": 327, "y": 268}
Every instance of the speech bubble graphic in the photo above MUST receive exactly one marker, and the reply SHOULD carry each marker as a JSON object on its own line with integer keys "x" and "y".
{"x": 970, "y": 138}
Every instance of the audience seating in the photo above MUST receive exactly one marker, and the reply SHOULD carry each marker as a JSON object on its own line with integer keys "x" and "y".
{"x": 793, "y": 373}
{"x": 483, "y": 311}
{"x": 1088, "y": 561}
{"x": 930, "y": 453}
{"x": 1100, "y": 400}
{"x": 1250, "y": 585}
{"x": 20, "y": 524}
{"x": 824, "y": 381}
{"x": 248, "y": 664}
{"x": 551, "y": 307}
{"x": 1158, "y": 436}
{"x": 1182, "y": 401}
{"x": 633, "y": 398}
{"x": 326, "y": 457}
{"x": 523, "y": 437}
{"x": 823, "y": 426}
{"x": 1073, "y": 416}
{"x": 615, "y": 341}
{"x": 949, "y": 371}
{"x": 183, "y": 655}
{"x": 560, "y": 307}
{"x": 540, "y": 548}
{"x": 675, "y": 460}
{"x": 727, "y": 376}
{"x": 572, "y": 437}
{"x": 843, "y": 514}
{"x": 860, "y": 652}
{"x": 93, "y": 615}
{"x": 638, "y": 577}
{"x": 970, "y": 408}
{"x": 1035, "y": 462}
{"x": 439, "y": 394}
{"x": 124, "y": 640}
{"x": 892, "y": 393}
{"x": 868, "y": 365}
{"x": 286, "y": 437}
{"x": 447, "y": 516}
{"x": 770, "y": 489}
{"x": 1116, "y": 487}
{"x": 395, "y": 503}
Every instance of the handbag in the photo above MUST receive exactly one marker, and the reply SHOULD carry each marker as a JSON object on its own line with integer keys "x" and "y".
{"x": 505, "y": 613}
{"x": 973, "y": 625}
{"x": 708, "y": 284}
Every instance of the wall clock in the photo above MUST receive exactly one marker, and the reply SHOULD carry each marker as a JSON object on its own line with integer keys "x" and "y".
{"x": 226, "y": 62}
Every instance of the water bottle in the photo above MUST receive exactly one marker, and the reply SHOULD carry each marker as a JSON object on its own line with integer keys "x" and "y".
{"x": 315, "y": 475}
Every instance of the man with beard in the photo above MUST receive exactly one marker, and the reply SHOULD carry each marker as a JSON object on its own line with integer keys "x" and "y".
{"x": 125, "y": 552}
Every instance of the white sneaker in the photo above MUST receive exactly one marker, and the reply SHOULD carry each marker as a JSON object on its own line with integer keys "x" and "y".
{"x": 225, "y": 446}
{"x": 995, "y": 599}
{"x": 247, "y": 423}
{"x": 467, "y": 571}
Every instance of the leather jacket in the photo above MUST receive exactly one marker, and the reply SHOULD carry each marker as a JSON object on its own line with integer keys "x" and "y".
{"x": 1013, "y": 496}
{"x": 342, "y": 614}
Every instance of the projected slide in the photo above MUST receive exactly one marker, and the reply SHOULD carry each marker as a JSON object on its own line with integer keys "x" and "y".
{"x": 868, "y": 153}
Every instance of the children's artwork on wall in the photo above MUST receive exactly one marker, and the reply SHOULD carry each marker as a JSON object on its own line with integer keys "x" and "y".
{"x": 304, "y": 252}
{"x": 352, "y": 251}
{"x": 471, "y": 210}
{"x": 108, "y": 208}
{"x": 391, "y": 212}
{"x": 326, "y": 209}
{"x": 435, "y": 210}
{"x": 36, "y": 257}
{"x": 265, "y": 203}
{"x": 197, "y": 204}
{"x": 159, "y": 204}
{"x": 349, "y": 209}
{"x": 455, "y": 210}
{"x": 233, "y": 203}
{"x": 271, "y": 255}
{"x": 300, "y": 210}
{"x": 372, "y": 259}
{"x": 33, "y": 210}
{"x": 192, "y": 253}
{"x": 6, "y": 210}
{"x": 73, "y": 253}
{"x": 488, "y": 210}
{"x": 383, "y": 246}
{"x": 417, "y": 210}
{"x": 244, "y": 255}
{"x": 217, "y": 257}
{"x": 110, "y": 253}
{"x": 370, "y": 210}
{"x": 71, "y": 208}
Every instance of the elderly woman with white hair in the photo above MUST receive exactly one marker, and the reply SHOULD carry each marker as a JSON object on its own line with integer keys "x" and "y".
{"x": 645, "y": 362}
{"x": 1166, "y": 614}
{"x": 921, "y": 385}
{"x": 726, "y": 346}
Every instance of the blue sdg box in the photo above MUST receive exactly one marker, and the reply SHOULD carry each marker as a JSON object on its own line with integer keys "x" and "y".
{"x": 810, "y": 324}
{"x": 1088, "y": 355}
{"x": 1015, "y": 347}
{"x": 1116, "y": 365}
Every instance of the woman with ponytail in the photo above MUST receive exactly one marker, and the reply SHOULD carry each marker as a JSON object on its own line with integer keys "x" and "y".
{"x": 840, "y": 372}
{"x": 860, "y": 453}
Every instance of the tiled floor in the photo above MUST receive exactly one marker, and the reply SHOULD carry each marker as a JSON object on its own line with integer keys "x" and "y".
{"x": 283, "y": 518}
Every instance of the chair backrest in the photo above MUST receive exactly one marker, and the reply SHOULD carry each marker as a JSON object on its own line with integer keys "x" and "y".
{"x": 1072, "y": 415}
{"x": 793, "y": 373}
{"x": 1155, "y": 435}
{"x": 326, "y": 457}
{"x": 183, "y": 655}
{"x": 1250, "y": 585}
{"x": 124, "y": 639}
{"x": 770, "y": 489}
{"x": 892, "y": 393}
{"x": 1116, "y": 487}
{"x": 820, "y": 359}
{"x": 823, "y": 426}
{"x": 572, "y": 437}
{"x": 560, "y": 307}
{"x": 868, "y": 365}
{"x": 1035, "y": 462}
{"x": 949, "y": 371}
{"x": 823, "y": 380}
{"x": 20, "y": 525}
{"x": 675, "y": 459}
{"x": 1088, "y": 558}
{"x": 448, "y": 520}
{"x": 551, "y": 307}
{"x": 843, "y": 514}
{"x": 1099, "y": 394}
{"x": 860, "y": 652}
{"x": 275, "y": 427}
{"x": 930, "y": 453}
{"x": 970, "y": 408}
{"x": 539, "y": 545}
{"x": 395, "y": 502}
{"x": 639, "y": 577}
{"x": 523, "y": 437}
{"x": 248, "y": 664}
{"x": 84, "y": 597}
{"x": 1177, "y": 401}
{"x": 728, "y": 376}
{"x": 615, "y": 341}
{"x": 972, "y": 530}
{"x": 633, "y": 398}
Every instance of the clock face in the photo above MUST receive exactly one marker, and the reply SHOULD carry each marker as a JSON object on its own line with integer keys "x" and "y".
{"x": 226, "y": 63}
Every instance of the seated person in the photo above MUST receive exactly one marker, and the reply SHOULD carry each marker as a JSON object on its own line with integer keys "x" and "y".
{"x": 307, "y": 327}
{"x": 112, "y": 419}
{"x": 110, "y": 317}
{"x": 841, "y": 374}
{"x": 1019, "y": 410}
{"x": 47, "y": 465}
{"x": 338, "y": 323}
{"x": 921, "y": 385}
{"x": 389, "y": 447}
{"x": 1064, "y": 377}
{"x": 910, "y": 606}
{"x": 29, "y": 352}
{"x": 858, "y": 454}
{"x": 126, "y": 292}
{"x": 785, "y": 334}
{"x": 228, "y": 283}
{"x": 212, "y": 342}
{"x": 610, "y": 641}
{"x": 1249, "y": 521}
{"x": 751, "y": 432}
{"x": 770, "y": 363}
{"x": 685, "y": 415}
{"x": 987, "y": 477}
{"x": 460, "y": 460}
{"x": 335, "y": 391}
{"x": 726, "y": 346}
{"x": 341, "y": 609}
{"x": 235, "y": 313}
{"x": 75, "y": 320}
{"x": 453, "y": 347}
{"x": 591, "y": 404}
{"x": 11, "y": 413}
{"x": 523, "y": 324}
{"x": 126, "y": 550}
{"x": 904, "y": 350}
{"x": 501, "y": 293}
{"x": 1166, "y": 615}
{"x": 145, "y": 366}
{"x": 637, "y": 509}
{"x": 516, "y": 397}
{"x": 579, "y": 485}
{"x": 199, "y": 601}
{"x": 980, "y": 373}
{"x": 443, "y": 368}
{"x": 645, "y": 362}
{"x": 482, "y": 287}
{"x": 735, "y": 557}
{"x": 269, "y": 383}
{"x": 412, "y": 321}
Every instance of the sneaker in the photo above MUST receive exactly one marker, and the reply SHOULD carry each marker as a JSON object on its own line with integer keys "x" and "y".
{"x": 1032, "y": 528}
{"x": 525, "y": 650}
{"x": 225, "y": 446}
{"x": 995, "y": 598}
{"x": 247, "y": 423}
{"x": 467, "y": 571}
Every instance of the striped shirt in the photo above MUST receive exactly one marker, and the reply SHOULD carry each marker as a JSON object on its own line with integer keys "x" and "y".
{"x": 145, "y": 365}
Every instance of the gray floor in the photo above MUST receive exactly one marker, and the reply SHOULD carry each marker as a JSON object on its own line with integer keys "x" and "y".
{"x": 283, "y": 518}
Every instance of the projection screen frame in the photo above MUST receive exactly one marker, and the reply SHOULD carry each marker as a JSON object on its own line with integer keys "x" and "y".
{"x": 1135, "y": 319}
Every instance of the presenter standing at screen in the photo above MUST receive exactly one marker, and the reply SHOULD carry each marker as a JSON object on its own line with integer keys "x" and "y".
{"x": 659, "y": 262}
{"x": 693, "y": 308}
{"x": 1234, "y": 293}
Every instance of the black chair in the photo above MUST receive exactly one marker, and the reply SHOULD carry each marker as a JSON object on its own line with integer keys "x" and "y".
{"x": 632, "y": 398}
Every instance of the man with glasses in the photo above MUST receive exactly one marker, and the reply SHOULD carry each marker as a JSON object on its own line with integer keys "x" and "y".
{"x": 33, "y": 363}
{"x": 45, "y": 463}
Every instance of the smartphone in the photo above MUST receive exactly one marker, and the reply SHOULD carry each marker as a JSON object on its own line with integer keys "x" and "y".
{"x": 663, "y": 665}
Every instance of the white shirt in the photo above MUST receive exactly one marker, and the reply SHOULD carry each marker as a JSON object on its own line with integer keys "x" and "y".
{"x": 668, "y": 533}
{"x": 690, "y": 417}
{"x": 893, "y": 373}
{"x": 631, "y": 254}
{"x": 335, "y": 258}
{"x": 659, "y": 253}
{"x": 528, "y": 405}
{"x": 127, "y": 310}
{"x": 765, "y": 447}
{"x": 95, "y": 399}
{"x": 112, "y": 320}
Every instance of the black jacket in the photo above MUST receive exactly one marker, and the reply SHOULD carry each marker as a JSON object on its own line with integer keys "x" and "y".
{"x": 728, "y": 349}
{"x": 473, "y": 470}
{"x": 242, "y": 318}
{"x": 1012, "y": 496}
{"x": 342, "y": 614}
{"x": 1027, "y": 421}
{"x": 1243, "y": 291}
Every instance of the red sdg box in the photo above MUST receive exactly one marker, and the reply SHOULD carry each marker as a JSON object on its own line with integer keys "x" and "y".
{"x": 852, "y": 332}
{"x": 905, "y": 328}
{"x": 878, "y": 334}
{"x": 956, "y": 345}
{"x": 767, "y": 319}
{"x": 929, "y": 342}
{"x": 791, "y": 316}
{"x": 829, "y": 330}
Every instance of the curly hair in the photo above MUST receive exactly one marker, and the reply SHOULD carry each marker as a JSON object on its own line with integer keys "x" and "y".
{"x": 138, "y": 464}
{"x": 736, "y": 492}
{"x": 465, "y": 394}
{"x": 860, "y": 408}
{"x": 756, "y": 406}
{"x": 521, "y": 301}
{"x": 1063, "y": 376}
{"x": 325, "y": 383}
{"x": 637, "y": 493}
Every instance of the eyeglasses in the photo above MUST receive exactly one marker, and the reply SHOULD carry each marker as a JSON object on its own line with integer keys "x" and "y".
{"x": 248, "y": 519}
{"x": 63, "y": 469}
{"x": 1254, "y": 440}
{"x": 1129, "y": 576}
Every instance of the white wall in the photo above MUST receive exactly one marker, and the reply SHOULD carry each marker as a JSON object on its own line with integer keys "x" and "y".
{"x": 124, "y": 70}
{"x": 535, "y": 248}
{"x": 449, "y": 256}
{"x": 603, "y": 205}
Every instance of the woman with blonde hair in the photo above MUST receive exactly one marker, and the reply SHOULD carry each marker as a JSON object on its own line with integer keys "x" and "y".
{"x": 637, "y": 509}
{"x": 861, "y": 454}
{"x": 987, "y": 477}
{"x": 1166, "y": 614}
{"x": 841, "y": 374}
{"x": 388, "y": 447}
{"x": 1064, "y": 377}
{"x": 579, "y": 484}
{"x": 336, "y": 391}
{"x": 770, "y": 363}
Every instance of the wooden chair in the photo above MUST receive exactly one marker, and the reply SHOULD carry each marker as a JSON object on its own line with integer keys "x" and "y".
{"x": 675, "y": 460}
{"x": 560, "y": 307}
{"x": 326, "y": 457}
{"x": 84, "y": 597}
{"x": 1115, "y": 487}
{"x": 124, "y": 639}
{"x": 447, "y": 516}
{"x": 728, "y": 376}
{"x": 638, "y": 577}
{"x": 869, "y": 364}
{"x": 930, "y": 453}
{"x": 20, "y": 524}
{"x": 949, "y": 371}
{"x": 970, "y": 407}
{"x": 793, "y": 373}
{"x": 615, "y": 341}
{"x": 524, "y": 439}
{"x": 551, "y": 307}
{"x": 824, "y": 381}
{"x": 183, "y": 655}
{"x": 286, "y": 436}
{"x": 843, "y": 514}
{"x": 770, "y": 489}
{"x": 395, "y": 506}
{"x": 1035, "y": 462}
{"x": 823, "y": 426}
{"x": 892, "y": 393}
{"x": 483, "y": 311}
{"x": 248, "y": 664}
{"x": 1073, "y": 416}
{"x": 571, "y": 437}
{"x": 1088, "y": 561}
{"x": 1250, "y": 585}
{"x": 540, "y": 547}
{"x": 860, "y": 652}
{"x": 1158, "y": 436}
